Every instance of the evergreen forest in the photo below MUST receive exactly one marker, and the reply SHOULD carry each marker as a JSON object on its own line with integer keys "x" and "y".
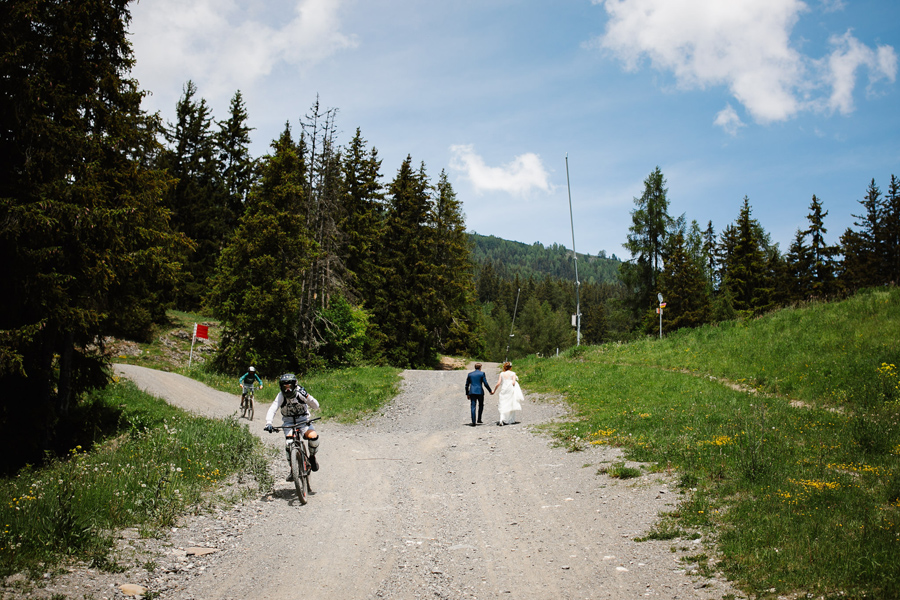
{"x": 315, "y": 255}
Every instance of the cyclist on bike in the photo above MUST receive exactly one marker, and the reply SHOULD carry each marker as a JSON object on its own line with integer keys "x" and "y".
{"x": 246, "y": 382}
{"x": 295, "y": 402}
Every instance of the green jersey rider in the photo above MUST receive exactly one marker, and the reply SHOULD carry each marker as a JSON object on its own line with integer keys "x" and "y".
{"x": 246, "y": 382}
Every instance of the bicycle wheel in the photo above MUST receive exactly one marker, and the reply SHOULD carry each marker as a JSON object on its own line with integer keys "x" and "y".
{"x": 250, "y": 407}
{"x": 296, "y": 471}
{"x": 243, "y": 406}
{"x": 305, "y": 471}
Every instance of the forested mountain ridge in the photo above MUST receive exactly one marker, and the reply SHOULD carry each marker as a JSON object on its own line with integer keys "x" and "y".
{"x": 538, "y": 262}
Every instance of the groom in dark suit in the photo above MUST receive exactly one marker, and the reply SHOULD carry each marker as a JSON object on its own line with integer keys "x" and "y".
{"x": 475, "y": 383}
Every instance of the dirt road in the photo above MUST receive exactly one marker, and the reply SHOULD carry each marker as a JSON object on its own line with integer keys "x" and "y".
{"x": 414, "y": 503}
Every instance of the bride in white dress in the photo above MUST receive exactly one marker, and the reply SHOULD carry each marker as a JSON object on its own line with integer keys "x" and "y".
{"x": 511, "y": 396}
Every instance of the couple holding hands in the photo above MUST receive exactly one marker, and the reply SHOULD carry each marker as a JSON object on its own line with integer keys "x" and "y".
{"x": 511, "y": 396}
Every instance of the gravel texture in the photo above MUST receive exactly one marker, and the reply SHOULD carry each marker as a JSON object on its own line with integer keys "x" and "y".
{"x": 414, "y": 503}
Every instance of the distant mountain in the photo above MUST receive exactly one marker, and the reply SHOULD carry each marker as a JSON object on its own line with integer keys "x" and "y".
{"x": 515, "y": 258}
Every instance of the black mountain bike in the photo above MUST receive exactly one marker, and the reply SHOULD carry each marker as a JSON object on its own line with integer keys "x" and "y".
{"x": 247, "y": 401}
{"x": 300, "y": 467}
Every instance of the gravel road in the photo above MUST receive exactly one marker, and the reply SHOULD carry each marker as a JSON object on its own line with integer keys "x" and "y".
{"x": 414, "y": 503}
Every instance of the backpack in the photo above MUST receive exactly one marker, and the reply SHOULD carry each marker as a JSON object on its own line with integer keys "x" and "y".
{"x": 296, "y": 406}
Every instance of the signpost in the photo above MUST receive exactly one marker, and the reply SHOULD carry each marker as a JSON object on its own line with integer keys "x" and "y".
{"x": 662, "y": 305}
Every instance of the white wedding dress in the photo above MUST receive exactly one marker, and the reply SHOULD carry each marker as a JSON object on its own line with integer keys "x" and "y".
{"x": 511, "y": 397}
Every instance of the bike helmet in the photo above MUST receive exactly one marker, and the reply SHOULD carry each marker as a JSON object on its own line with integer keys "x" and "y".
{"x": 252, "y": 369}
{"x": 288, "y": 385}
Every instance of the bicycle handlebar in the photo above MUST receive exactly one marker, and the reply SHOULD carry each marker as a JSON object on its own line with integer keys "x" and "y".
{"x": 295, "y": 425}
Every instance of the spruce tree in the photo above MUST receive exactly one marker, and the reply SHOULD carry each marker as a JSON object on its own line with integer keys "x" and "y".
{"x": 863, "y": 249}
{"x": 454, "y": 329}
{"x": 326, "y": 277}
{"x": 198, "y": 201}
{"x": 362, "y": 220}
{"x": 800, "y": 262}
{"x": 83, "y": 235}
{"x": 402, "y": 309}
{"x": 257, "y": 290}
{"x": 822, "y": 255}
{"x": 746, "y": 266}
{"x": 891, "y": 229}
{"x": 683, "y": 287}
{"x": 646, "y": 239}
{"x": 236, "y": 165}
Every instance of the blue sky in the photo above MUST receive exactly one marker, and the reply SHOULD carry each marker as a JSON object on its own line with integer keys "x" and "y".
{"x": 773, "y": 99}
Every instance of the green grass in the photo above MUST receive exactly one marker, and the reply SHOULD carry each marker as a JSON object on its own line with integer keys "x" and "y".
{"x": 162, "y": 463}
{"x": 344, "y": 394}
{"x": 153, "y": 463}
{"x": 800, "y": 482}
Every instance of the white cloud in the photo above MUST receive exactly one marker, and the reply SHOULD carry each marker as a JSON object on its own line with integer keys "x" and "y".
{"x": 524, "y": 174}
{"x": 833, "y": 5}
{"x": 849, "y": 54}
{"x": 744, "y": 45}
{"x": 223, "y": 46}
{"x": 728, "y": 119}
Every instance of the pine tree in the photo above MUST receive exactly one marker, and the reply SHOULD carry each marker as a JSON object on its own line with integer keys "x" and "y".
{"x": 454, "y": 328}
{"x": 822, "y": 255}
{"x": 235, "y": 163}
{"x": 863, "y": 249}
{"x": 709, "y": 252}
{"x": 198, "y": 201}
{"x": 326, "y": 277}
{"x": 257, "y": 291}
{"x": 646, "y": 239}
{"x": 594, "y": 324}
{"x": 683, "y": 287}
{"x": 362, "y": 221}
{"x": 84, "y": 238}
{"x": 891, "y": 229}
{"x": 487, "y": 285}
{"x": 541, "y": 330}
{"x": 402, "y": 307}
{"x": 746, "y": 266}
{"x": 800, "y": 267}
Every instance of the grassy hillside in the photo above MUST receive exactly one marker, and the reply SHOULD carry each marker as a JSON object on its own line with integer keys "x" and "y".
{"x": 785, "y": 428}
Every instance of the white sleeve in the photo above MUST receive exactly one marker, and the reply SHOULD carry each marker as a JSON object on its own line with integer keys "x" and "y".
{"x": 273, "y": 408}
{"x": 313, "y": 403}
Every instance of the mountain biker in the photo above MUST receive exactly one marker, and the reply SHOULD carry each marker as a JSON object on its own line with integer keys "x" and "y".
{"x": 249, "y": 376}
{"x": 294, "y": 402}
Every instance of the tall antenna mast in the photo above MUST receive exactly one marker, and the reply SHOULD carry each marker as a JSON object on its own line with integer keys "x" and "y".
{"x": 575, "y": 256}
{"x": 511, "y": 334}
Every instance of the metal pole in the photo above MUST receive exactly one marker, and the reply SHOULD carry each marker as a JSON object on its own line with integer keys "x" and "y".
{"x": 515, "y": 310}
{"x": 660, "y": 298}
{"x": 575, "y": 256}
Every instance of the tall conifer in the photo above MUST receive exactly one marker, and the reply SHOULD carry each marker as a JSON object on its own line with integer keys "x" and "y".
{"x": 257, "y": 291}
{"x": 646, "y": 240}
{"x": 403, "y": 305}
{"x": 454, "y": 317}
{"x": 83, "y": 235}
{"x": 822, "y": 255}
{"x": 863, "y": 249}
{"x": 198, "y": 201}
{"x": 235, "y": 163}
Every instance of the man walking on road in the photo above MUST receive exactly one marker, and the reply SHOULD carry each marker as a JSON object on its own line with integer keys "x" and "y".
{"x": 475, "y": 383}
